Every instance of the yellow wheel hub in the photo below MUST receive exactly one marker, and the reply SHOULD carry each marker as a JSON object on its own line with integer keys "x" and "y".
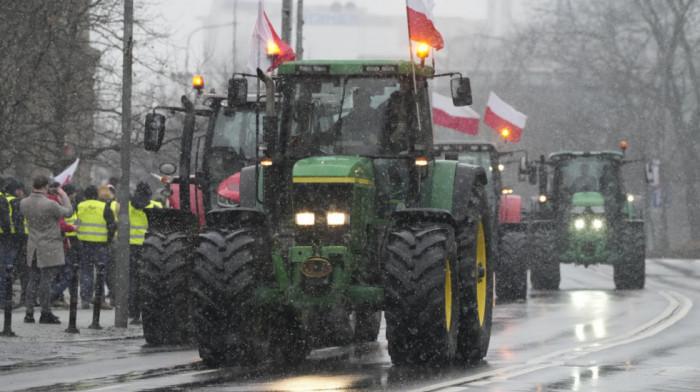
{"x": 481, "y": 272}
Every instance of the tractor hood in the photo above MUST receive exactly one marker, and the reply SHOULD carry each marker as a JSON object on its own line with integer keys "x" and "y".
{"x": 587, "y": 199}
{"x": 334, "y": 169}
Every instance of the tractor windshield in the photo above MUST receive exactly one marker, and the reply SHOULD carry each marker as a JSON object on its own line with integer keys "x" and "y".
{"x": 587, "y": 174}
{"x": 232, "y": 144}
{"x": 348, "y": 116}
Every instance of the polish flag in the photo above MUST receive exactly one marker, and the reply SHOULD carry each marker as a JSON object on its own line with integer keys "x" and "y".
{"x": 504, "y": 119}
{"x": 67, "y": 174}
{"x": 420, "y": 23}
{"x": 267, "y": 50}
{"x": 445, "y": 114}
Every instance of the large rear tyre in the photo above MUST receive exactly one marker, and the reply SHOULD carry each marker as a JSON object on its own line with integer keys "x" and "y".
{"x": 511, "y": 277}
{"x": 629, "y": 269}
{"x": 165, "y": 289}
{"x": 544, "y": 269}
{"x": 476, "y": 253}
{"x": 421, "y": 294}
{"x": 225, "y": 279}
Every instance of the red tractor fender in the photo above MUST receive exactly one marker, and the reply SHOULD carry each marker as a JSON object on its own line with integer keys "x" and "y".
{"x": 196, "y": 204}
{"x": 510, "y": 208}
{"x": 229, "y": 188}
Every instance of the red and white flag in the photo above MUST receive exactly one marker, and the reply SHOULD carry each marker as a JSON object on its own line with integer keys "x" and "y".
{"x": 64, "y": 177}
{"x": 267, "y": 50}
{"x": 504, "y": 119}
{"x": 462, "y": 118}
{"x": 421, "y": 26}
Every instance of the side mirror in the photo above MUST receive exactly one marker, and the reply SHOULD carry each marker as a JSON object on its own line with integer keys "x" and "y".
{"x": 167, "y": 168}
{"x": 461, "y": 91}
{"x": 155, "y": 130}
{"x": 237, "y": 91}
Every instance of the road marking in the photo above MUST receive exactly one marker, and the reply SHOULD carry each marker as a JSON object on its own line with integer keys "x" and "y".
{"x": 678, "y": 307}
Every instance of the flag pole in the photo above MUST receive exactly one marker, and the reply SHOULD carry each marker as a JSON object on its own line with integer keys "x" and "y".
{"x": 413, "y": 72}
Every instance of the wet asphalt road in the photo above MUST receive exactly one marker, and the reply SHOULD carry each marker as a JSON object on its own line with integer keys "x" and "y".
{"x": 585, "y": 336}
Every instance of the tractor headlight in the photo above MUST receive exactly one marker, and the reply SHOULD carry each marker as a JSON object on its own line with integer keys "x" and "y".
{"x": 305, "y": 218}
{"x": 597, "y": 224}
{"x": 336, "y": 218}
{"x": 579, "y": 223}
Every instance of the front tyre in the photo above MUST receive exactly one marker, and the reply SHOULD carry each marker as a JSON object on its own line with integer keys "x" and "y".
{"x": 225, "y": 280}
{"x": 511, "y": 278}
{"x": 421, "y": 294}
{"x": 165, "y": 288}
{"x": 545, "y": 272}
{"x": 629, "y": 269}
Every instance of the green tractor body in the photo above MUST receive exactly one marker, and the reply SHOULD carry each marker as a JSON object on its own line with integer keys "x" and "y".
{"x": 586, "y": 218}
{"x": 347, "y": 215}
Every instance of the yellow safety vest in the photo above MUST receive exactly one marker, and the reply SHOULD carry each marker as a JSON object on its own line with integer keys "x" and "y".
{"x": 71, "y": 221}
{"x": 93, "y": 227}
{"x": 138, "y": 223}
{"x": 10, "y": 214}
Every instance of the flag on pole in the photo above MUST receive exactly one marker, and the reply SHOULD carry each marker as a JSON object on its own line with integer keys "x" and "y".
{"x": 420, "y": 23}
{"x": 445, "y": 114}
{"x": 267, "y": 50}
{"x": 504, "y": 119}
{"x": 64, "y": 177}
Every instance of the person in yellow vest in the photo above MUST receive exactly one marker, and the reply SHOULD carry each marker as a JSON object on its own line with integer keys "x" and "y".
{"x": 138, "y": 225}
{"x": 14, "y": 236}
{"x": 4, "y": 229}
{"x": 97, "y": 227}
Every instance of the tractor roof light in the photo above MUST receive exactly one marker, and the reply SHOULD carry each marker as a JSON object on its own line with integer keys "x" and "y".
{"x": 422, "y": 50}
{"x": 506, "y": 191}
{"x": 272, "y": 48}
{"x": 579, "y": 223}
{"x": 266, "y": 162}
{"x": 198, "y": 83}
{"x": 421, "y": 161}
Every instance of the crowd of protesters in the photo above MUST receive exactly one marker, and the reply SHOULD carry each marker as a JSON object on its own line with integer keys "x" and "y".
{"x": 43, "y": 233}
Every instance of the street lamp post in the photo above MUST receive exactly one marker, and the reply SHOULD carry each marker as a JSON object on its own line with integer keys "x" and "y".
{"x": 189, "y": 37}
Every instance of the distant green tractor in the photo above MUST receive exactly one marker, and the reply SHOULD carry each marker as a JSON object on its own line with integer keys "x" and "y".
{"x": 346, "y": 214}
{"x": 585, "y": 217}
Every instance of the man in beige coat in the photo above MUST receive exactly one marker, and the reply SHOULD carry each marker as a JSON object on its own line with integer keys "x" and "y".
{"x": 44, "y": 245}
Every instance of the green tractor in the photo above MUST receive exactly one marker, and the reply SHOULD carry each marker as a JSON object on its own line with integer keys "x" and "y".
{"x": 585, "y": 217}
{"x": 510, "y": 233}
{"x": 344, "y": 215}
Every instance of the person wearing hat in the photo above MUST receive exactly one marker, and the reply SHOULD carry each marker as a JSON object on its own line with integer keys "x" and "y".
{"x": 44, "y": 245}
{"x": 138, "y": 225}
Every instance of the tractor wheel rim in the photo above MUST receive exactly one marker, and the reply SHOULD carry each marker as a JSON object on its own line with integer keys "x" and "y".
{"x": 448, "y": 296}
{"x": 481, "y": 280}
